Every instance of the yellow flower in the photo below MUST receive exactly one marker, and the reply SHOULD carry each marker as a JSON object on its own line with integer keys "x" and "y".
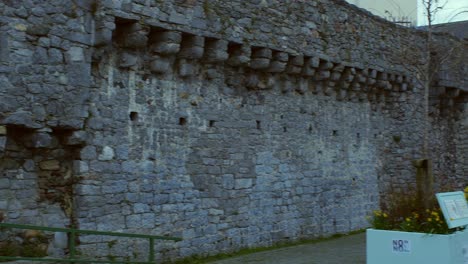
{"x": 385, "y": 215}
{"x": 408, "y": 219}
{"x": 429, "y": 219}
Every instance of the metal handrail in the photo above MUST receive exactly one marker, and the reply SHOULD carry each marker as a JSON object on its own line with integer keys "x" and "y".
{"x": 72, "y": 247}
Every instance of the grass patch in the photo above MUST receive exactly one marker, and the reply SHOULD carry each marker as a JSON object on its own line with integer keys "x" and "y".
{"x": 206, "y": 259}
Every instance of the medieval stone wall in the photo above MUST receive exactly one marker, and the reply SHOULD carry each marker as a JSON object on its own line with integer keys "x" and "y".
{"x": 231, "y": 124}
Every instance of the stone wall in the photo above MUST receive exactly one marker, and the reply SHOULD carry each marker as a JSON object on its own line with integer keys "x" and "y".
{"x": 231, "y": 124}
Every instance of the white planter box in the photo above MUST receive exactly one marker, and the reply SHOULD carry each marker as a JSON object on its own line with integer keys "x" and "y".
{"x": 394, "y": 247}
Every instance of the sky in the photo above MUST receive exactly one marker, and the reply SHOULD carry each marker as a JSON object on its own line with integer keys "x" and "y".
{"x": 448, "y": 13}
{"x": 413, "y": 11}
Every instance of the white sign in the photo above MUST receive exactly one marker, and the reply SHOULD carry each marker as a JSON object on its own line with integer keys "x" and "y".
{"x": 401, "y": 246}
{"x": 456, "y": 209}
{"x": 465, "y": 254}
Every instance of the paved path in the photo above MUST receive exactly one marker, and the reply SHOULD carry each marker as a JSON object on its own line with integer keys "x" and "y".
{"x": 344, "y": 250}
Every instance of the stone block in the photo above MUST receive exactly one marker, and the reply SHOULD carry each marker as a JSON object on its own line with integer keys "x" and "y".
{"x": 216, "y": 50}
{"x": 239, "y": 55}
{"x": 213, "y": 74}
{"x": 186, "y": 68}
{"x": 326, "y": 65}
{"x": 302, "y": 86}
{"x": 313, "y": 62}
{"x": 3, "y": 130}
{"x": 262, "y": 53}
{"x": 3, "y": 141}
{"x": 50, "y": 165}
{"x": 38, "y": 29}
{"x": 361, "y": 78}
{"x": 371, "y": 81}
{"x": 281, "y": 56}
{"x": 41, "y": 140}
{"x": 399, "y": 79}
{"x": 83, "y": 38}
{"x": 55, "y": 56}
{"x": 238, "y": 60}
{"x": 382, "y": 76}
{"x": 165, "y": 48}
{"x": 60, "y": 240}
{"x": 341, "y": 94}
{"x": 251, "y": 81}
{"x": 76, "y": 54}
{"x": 79, "y": 74}
{"x": 277, "y": 66}
{"x": 293, "y": 69}
{"x": 296, "y": 60}
{"x": 80, "y": 166}
{"x": 260, "y": 63}
{"x": 103, "y": 37}
{"x": 4, "y": 47}
{"x": 134, "y": 40}
{"x": 88, "y": 153}
{"x": 308, "y": 71}
{"x": 178, "y": 18}
{"x": 192, "y": 47}
{"x": 160, "y": 64}
{"x": 404, "y": 86}
{"x": 166, "y": 36}
{"x": 335, "y": 76}
{"x": 243, "y": 183}
{"x": 77, "y": 138}
{"x": 322, "y": 75}
{"x": 127, "y": 60}
{"x": 348, "y": 75}
{"x": 106, "y": 154}
{"x": 21, "y": 118}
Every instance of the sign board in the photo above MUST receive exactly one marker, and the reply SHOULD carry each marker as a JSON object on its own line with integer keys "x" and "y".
{"x": 401, "y": 246}
{"x": 454, "y": 208}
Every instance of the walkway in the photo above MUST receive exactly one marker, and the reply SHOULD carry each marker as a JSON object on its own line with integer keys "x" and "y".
{"x": 344, "y": 250}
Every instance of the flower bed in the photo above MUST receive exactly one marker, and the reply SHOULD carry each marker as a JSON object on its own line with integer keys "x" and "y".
{"x": 409, "y": 234}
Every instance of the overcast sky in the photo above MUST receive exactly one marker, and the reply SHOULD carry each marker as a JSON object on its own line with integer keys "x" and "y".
{"x": 448, "y": 14}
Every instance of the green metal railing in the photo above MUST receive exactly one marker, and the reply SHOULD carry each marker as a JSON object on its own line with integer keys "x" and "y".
{"x": 72, "y": 246}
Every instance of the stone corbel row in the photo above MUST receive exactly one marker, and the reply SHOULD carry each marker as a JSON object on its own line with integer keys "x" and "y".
{"x": 44, "y": 138}
{"x": 165, "y": 46}
{"x": 3, "y": 140}
{"x": 450, "y": 97}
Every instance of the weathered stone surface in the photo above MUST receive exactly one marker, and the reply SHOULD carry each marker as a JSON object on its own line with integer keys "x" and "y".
{"x": 128, "y": 60}
{"x": 41, "y": 140}
{"x": 216, "y": 51}
{"x": 3, "y": 140}
{"x": 192, "y": 47}
{"x": 77, "y": 138}
{"x": 106, "y": 154}
{"x": 233, "y": 124}
{"x": 50, "y": 165}
{"x": 260, "y": 63}
{"x": 160, "y": 64}
{"x": 21, "y": 118}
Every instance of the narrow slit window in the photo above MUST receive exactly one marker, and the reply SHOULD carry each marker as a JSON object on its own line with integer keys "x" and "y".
{"x": 134, "y": 116}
